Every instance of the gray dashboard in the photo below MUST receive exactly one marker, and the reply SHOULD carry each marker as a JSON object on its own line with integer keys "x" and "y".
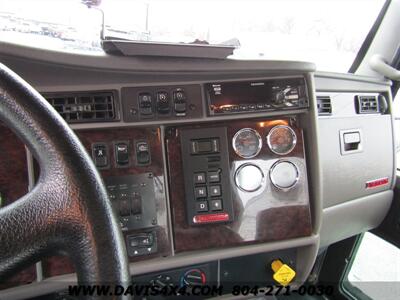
{"x": 341, "y": 206}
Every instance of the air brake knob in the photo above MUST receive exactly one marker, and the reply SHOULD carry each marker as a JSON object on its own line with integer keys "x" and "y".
{"x": 284, "y": 175}
{"x": 249, "y": 178}
{"x": 283, "y": 273}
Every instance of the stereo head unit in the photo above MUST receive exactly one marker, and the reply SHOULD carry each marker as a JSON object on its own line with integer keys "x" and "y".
{"x": 255, "y": 96}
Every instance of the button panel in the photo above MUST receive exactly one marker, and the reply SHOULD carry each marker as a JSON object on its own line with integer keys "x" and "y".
{"x": 133, "y": 200}
{"x": 161, "y": 102}
{"x": 206, "y": 173}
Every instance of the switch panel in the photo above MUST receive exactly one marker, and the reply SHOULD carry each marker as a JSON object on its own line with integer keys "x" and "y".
{"x": 206, "y": 173}
{"x": 100, "y": 155}
{"x": 162, "y": 102}
{"x": 133, "y": 200}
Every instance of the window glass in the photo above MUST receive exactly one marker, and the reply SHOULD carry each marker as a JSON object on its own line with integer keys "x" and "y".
{"x": 327, "y": 32}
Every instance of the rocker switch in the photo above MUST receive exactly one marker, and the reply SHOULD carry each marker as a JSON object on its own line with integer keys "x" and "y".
{"x": 122, "y": 153}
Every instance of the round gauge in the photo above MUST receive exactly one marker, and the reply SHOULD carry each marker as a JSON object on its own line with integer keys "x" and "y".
{"x": 281, "y": 139}
{"x": 247, "y": 143}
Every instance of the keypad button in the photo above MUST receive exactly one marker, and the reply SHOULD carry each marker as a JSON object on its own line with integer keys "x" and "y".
{"x": 214, "y": 176}
{"x": 199, "y": 178}
{"x": 201, "y": 206}
{"x": 200, "y": 192}
{"x": 215, "y": 190}
{"x": 216, "y": 205}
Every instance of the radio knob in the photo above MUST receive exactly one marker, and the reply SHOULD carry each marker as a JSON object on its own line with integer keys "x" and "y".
{"x": 249, "y": 177}
{"x": 284, "y": 175}
{"x": 279, "y": 97}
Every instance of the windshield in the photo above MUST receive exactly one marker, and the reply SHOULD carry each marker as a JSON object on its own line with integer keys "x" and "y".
{"x": 328, "y": 33}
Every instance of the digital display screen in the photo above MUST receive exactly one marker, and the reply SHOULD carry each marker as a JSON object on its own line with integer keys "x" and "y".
{"x": 237, "y": 96}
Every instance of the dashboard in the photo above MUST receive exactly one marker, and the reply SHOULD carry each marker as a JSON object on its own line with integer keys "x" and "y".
{"x": 217, "y": 166}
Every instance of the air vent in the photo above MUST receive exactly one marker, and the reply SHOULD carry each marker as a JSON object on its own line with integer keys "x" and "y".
{"x": 84, "y": 107}
{"x": 367, "y": 104}
{"x": 324, "y": 105}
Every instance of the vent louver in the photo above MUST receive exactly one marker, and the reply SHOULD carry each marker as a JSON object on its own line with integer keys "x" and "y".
{"x": 367, "y": 104}
{"x": 84, "y": 107}
{"x": 324, "y": 105}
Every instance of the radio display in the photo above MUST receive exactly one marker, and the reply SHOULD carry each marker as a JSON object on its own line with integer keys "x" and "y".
{"x": 236, "y": 97}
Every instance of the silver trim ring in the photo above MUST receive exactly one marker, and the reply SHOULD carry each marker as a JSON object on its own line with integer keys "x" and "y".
{"x": 260, "y": 142}
{"x": 238, "y": 170}
{"x": 272, "y": 169}
{"x": 293, "y": 135}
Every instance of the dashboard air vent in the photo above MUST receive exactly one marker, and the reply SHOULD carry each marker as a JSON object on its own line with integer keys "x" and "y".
{"x": 367, "y": 104}
{"x": 84, "y": 107}
{"x": 324, "y": 105}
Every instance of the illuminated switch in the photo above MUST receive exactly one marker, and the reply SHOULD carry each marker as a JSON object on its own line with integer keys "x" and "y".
{"x": 122, "y": 153}
{"x": 100, "y": 155}
{"x": 143, "y": 156}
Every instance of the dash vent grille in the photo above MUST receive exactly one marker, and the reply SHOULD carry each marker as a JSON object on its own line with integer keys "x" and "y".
{"x": 84, "y": 107}
{"x": 367, "y": 104}
{"x": 324, "y": 105}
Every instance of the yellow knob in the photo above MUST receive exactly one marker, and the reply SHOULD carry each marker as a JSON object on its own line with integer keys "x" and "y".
{"x": 283, "y": 274}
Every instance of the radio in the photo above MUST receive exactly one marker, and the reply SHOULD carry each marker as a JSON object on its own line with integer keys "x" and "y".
{"x": 256, "y": 96}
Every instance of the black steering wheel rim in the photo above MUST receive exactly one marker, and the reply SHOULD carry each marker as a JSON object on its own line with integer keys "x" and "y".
{"x": 68, "y": 210}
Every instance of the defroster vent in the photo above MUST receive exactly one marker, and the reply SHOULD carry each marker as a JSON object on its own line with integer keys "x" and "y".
{"x": 324, "y": 105}
{"x": 84, "y": 107}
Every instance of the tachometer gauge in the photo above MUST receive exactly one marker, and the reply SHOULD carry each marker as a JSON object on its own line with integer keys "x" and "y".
{"x": 247, "y": 143}
{"x": 281, "y": 139}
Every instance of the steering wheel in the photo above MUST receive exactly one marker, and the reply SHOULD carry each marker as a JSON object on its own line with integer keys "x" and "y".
{"x": 68, "y": 210}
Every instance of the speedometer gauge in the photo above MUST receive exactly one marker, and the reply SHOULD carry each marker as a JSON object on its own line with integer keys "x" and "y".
{"x": 281, "y": 139}
{"x": 247, "y": 143}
